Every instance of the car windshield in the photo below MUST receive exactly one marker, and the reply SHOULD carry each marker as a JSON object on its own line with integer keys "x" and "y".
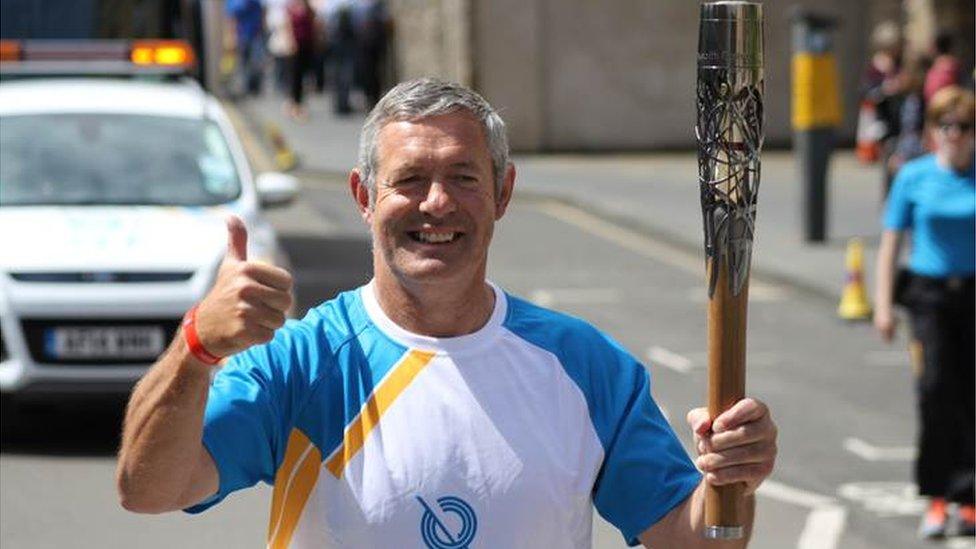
{"x": 94, "y": 159}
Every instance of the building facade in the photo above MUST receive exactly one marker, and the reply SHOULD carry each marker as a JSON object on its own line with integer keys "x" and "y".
{"x": 583, "y": 75}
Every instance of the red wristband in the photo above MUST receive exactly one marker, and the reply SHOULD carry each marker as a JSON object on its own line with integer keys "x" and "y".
{"x": 193, "y": 339}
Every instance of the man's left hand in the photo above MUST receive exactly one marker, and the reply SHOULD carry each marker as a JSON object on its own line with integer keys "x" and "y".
{"x": 738, "y": 446}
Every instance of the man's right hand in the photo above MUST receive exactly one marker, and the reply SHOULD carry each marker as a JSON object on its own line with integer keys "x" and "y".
{"x": 247, "y": 302}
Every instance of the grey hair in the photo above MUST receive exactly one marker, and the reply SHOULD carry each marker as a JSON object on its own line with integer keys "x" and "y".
{"x": 423, "y": 98}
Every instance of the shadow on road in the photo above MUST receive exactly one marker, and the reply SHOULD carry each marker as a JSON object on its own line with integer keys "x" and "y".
{"x": 322, "y": 268}
{"x": 326, "y": 266}
{"x": 75, "y": 427}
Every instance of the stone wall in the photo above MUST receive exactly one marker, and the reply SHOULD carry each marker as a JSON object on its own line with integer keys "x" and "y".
{"x": 582, "y": 75}
{"x": 432, "y": 38}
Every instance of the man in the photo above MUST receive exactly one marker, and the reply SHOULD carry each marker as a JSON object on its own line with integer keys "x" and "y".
{"x": 427, "y": 408}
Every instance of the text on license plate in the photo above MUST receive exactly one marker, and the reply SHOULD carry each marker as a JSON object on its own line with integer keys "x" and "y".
{"x": 105, "y": 342}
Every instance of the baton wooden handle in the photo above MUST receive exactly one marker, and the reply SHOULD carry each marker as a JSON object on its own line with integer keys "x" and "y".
{"x": 726, "y": 386}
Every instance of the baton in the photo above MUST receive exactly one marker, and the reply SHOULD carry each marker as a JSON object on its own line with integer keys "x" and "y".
{"x": 729, "y": 129}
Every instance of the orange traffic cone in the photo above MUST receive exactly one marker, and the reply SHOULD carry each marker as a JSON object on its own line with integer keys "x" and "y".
{"x": 870, "y": 130}
{"x": 854, "y": 300}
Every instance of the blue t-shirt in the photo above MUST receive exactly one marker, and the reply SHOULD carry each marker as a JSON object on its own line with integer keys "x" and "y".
{"x": 250, "y": 19}
{"x": 508, "y": 437}
{"x": 939, "y": 206}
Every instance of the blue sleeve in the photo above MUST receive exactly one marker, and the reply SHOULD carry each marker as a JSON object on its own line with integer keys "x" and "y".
{"x": 252, "y": 403}
{"x": 898, "y": 207}
{"x": 646, "y": 472}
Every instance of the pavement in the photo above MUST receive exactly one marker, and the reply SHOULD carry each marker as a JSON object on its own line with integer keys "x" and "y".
{"x": 654, "y": 192}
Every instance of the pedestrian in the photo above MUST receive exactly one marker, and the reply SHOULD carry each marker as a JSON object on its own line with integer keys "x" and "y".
{"x": 910, "y": 142}
{"x": 881, "y": 89}
{"x": 946, "y": 69}
{"x": 302, "y": 18}
{"x": 342, "y": 41}
{"x": 281, "y": 44}
{"x": 934, "y": 197}
{"x": 322, "y": 44}
{"x": 373, "y": 24}
{"x": 249, "y": 18}
{"x": 428, "y": 407}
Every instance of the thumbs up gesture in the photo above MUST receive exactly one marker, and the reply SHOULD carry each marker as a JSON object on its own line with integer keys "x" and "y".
{"x": 247, "y": 302}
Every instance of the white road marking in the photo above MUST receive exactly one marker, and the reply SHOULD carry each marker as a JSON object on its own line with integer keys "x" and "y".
{"x": 574, "y": 296}
{"x": 792, "y": 495}
{"x": 823, "y": 528}
{"x": 759, "y": 292}
{"x": 870, "y": 452}
{"x": 662, "y": 357}
{"x": 826, "y": 520}
{"x": 895, "y": 358}
{"x": 885, "y": 499}
{"x": 630, "y": 239}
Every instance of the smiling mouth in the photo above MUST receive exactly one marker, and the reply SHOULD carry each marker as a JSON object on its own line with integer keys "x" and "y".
{"x": 425, "y": 237}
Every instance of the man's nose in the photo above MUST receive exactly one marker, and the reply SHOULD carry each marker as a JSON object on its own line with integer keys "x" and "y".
{"x": 438, "y": 200}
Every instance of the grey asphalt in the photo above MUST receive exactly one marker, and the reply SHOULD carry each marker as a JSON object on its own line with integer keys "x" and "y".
{"x": 656, "y": 193}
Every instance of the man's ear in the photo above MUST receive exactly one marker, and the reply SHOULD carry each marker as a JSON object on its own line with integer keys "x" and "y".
{"x": 360, "y": 193}
{"x": 505, "y": 194}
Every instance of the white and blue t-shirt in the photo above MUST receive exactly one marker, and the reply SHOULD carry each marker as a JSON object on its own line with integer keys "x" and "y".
{"x": 377, "y": 437}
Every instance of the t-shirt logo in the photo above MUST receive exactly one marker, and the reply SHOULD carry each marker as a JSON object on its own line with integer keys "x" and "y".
{"x": 453, "y": 527}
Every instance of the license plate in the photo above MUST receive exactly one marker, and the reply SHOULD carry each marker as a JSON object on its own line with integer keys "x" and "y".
{"x": 105, "y": 342}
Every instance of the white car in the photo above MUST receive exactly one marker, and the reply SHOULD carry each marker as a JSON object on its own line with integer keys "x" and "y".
{"x": 113, "y": 199}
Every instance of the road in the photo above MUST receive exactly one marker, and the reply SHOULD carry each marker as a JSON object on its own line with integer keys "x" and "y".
{"x": 843, "y": 401}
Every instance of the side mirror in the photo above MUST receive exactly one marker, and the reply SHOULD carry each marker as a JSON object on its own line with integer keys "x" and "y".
{"x": 276, "y": 189}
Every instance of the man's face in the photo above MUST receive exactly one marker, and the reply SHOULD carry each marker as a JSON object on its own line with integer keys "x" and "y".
{"x": 435, "y": 205}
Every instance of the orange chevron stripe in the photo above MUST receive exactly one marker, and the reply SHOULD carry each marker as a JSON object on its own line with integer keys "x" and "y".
{"x": 381, "y": 399}
{"x": 297, "y": 444}
{"x": 294, "y": 481}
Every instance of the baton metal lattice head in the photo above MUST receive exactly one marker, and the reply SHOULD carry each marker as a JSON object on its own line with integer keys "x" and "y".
{"x": 730, "y": 133}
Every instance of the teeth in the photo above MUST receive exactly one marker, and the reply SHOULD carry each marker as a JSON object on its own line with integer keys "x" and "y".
{"x": 435, "y": 238}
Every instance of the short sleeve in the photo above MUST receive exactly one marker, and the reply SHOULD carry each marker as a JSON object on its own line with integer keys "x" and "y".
{"x": 249, "y": 409}
{"x": 646, "y": 472}
{"x": 898, "y": 207}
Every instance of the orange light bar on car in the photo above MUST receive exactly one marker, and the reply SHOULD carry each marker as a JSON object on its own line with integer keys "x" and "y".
{"x": 10, "y": 50}
{"x": 169, "y": 53}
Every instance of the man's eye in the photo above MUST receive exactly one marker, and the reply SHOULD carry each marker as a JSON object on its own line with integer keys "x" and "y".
{"x": 411, "y": 180}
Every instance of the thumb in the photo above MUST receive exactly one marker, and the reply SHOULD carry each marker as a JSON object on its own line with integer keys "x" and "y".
{"x": 236, "y": 238}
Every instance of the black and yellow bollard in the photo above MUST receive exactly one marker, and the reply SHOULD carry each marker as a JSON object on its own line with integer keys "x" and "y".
{"x": 816, "y": 114}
